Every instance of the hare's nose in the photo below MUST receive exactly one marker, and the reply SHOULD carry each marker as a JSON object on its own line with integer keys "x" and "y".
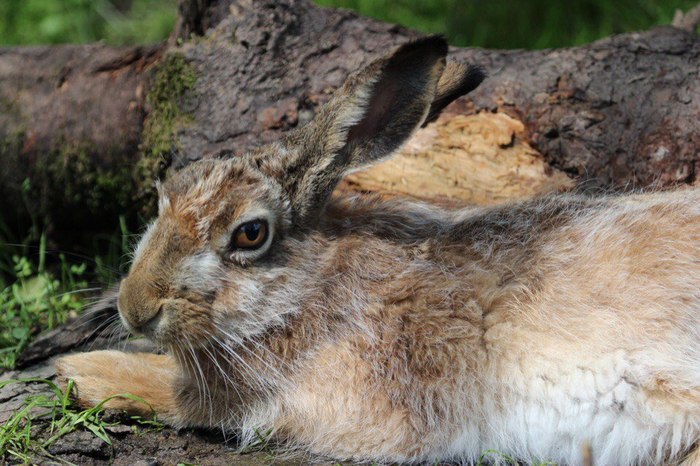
{"x": 138, "y": 306}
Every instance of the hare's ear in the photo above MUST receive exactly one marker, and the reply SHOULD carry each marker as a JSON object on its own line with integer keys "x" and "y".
{"x": 457, "y": 79}
{"x": 367, "y": 119}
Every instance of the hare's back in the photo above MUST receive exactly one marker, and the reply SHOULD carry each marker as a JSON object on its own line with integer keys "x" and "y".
{"x": 606, "y": 330}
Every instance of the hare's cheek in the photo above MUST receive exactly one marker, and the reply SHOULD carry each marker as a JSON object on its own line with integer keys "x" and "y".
{"x": 248, "y": 293}
{"x": 239, "y": 308}
{"x": 200, "y": 273}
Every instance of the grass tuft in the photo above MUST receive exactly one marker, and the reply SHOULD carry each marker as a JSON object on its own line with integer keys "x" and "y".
{"x": 45, "y": 418}
{"x": 37, "y": 300}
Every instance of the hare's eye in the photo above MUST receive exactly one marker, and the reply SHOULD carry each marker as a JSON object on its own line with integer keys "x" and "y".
{"x": 250, "y": 235}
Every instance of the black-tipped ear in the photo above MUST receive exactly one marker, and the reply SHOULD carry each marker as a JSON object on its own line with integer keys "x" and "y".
{"x": 401, "y": 88}
{"x": 457, "y": 80}
{"x": 368, "y": 118}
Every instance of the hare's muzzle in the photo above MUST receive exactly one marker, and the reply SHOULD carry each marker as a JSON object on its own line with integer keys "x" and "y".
{"x": 139, "y": 305}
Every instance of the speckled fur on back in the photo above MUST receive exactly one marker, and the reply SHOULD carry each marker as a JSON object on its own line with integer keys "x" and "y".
{"x": 377, "y": 330}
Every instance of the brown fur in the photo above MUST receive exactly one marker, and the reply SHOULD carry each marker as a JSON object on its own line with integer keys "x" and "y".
{"x": 105, "y": 374}
{"x": 398, "y": 331}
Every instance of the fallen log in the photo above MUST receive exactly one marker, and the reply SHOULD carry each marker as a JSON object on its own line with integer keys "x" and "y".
{"x": 91, "y": 126}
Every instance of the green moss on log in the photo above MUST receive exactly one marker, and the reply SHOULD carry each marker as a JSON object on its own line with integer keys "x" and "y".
{"x": 77, "y": 186}
{"x": 65, "y": 188}
{"x": 71, "y": 177}
{"x": 170, "y": 92}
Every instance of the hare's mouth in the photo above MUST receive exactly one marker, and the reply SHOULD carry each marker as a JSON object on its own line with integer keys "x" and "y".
{"x": 178, "y": 321}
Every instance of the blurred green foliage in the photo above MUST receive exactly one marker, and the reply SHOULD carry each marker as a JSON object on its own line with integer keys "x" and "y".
{"x": 36, "y": 300}
{"x": 532, "y": 24}
{"x": 117, "y": 22}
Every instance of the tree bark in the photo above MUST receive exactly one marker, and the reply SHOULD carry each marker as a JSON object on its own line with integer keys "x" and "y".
{"x": 71, "y": 120}
{"x": 86, "y": 125}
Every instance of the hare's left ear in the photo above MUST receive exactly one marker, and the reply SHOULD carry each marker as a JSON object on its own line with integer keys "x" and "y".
{"x": 368, "y": 118}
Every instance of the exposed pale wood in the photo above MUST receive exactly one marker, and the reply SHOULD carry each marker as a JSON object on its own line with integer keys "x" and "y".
{"x": 480, "y": 159}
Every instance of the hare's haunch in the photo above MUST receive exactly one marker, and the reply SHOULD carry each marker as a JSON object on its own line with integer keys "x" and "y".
{"x": 380, "y": 330}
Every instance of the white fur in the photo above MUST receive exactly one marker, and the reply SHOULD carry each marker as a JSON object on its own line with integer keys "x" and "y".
{"x": 201, "y": 272}
{"x": 143, "y": 242}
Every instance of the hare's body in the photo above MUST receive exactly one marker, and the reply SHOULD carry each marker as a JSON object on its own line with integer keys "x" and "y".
{"x": 486, "y": 336}
{"x": 398, "y": 331}
{"x": 424, "y": 335}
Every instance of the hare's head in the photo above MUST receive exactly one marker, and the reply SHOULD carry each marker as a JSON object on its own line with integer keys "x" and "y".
{"x": 229, "y": 231}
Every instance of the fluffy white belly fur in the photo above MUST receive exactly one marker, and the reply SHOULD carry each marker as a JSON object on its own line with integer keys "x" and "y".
{"x": 597, "y": 408}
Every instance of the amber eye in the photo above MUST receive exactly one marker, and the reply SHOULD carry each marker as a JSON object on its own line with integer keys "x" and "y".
{"x": 250, "y": 235}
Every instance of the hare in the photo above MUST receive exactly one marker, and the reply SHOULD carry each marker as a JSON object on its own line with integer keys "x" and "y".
{"x": 383, "y": 330}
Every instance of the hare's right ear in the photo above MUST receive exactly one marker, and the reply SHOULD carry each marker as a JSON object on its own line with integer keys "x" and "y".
{"x": 368, "y": 118}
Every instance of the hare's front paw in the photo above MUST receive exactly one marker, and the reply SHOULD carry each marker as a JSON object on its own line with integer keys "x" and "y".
{"x": 95, "y": 376}
{"x": 100, "y": 375}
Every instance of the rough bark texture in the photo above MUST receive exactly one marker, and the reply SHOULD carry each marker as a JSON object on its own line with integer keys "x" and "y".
{"x": 71, "y": 122}
{"x": 623, "y": 111}
{"x": 90, "y": 125}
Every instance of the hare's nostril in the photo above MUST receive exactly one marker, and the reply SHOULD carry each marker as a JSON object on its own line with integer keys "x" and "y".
{"x": 139, "y": 306}
{"x": 143, "y": 321}
{"x": 149, "y": 327}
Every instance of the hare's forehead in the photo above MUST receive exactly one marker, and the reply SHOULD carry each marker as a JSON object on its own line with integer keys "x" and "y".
{"x": 206, "y": 188}
{"x": 211, "y": 197}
